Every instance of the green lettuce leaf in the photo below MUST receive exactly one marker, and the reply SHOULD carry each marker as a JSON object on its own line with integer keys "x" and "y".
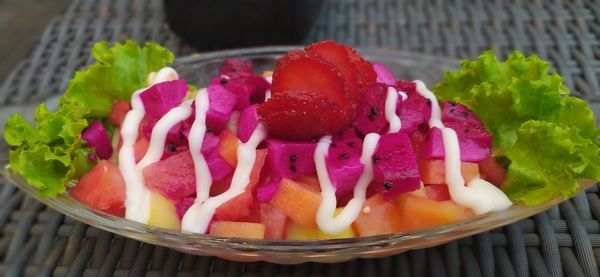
{"x": 550, "y": 138}
{"x": 50, "y": 152}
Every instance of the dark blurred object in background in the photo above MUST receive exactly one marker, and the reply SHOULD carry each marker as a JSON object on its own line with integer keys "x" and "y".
{"x": 217, "y": 24}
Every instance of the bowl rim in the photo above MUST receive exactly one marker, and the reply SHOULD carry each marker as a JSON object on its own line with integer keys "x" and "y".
{"x": 481, "y": 223}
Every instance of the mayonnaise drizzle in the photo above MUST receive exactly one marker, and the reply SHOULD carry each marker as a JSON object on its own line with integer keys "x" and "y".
{"x": 137, "y": 196}
{"x": 199, "y": 215}
{"x": 479, "y": 195}
{"x": 327, "y": 222}
{"x": 391, "y": 101}
{"x": 195, "y": 141}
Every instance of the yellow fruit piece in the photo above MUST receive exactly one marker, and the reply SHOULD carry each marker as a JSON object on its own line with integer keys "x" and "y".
{"x": 298, "y": 232}
{"x": 234, "y": 229}
{"x": 267, "y": 74}
{"x": 163, "y": 213}
{"x": 420, "y": 191}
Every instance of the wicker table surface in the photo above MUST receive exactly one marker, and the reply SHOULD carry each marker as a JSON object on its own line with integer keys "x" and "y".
{"x": 565, "y": 240}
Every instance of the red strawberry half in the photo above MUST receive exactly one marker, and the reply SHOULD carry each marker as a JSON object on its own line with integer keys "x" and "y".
{"x": 301, "y": 71}
{"x": 299, "y": 115}
{"x": 356, "y": 71}
{"x": 315, "y": 92}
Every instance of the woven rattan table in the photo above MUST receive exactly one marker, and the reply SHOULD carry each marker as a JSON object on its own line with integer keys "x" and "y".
{"x": 565, "y": 240}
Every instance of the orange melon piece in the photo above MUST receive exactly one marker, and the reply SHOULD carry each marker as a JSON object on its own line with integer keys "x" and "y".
{"x": 298, "y": 202}
{"x": 228, "y": 143}
{"x": 417, "y": 213}
{"x": 140, "y": 148}
{"x": 433, "y": 172}
{"x": 311, "y": 181}
{"x": 237, "y": 229}
{"x": 378, "y": 217}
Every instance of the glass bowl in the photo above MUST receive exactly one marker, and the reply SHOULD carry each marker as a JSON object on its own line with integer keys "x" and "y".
{"x": 199, "y": 69}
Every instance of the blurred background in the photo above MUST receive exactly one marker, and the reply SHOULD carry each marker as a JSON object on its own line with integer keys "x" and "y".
{"x": 21, "y": 24}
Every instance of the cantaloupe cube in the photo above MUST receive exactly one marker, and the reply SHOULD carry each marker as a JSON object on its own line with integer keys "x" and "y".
{"x": 297, "y": 232}
{"x": 228, "y": 143}
{"x": 163, "y": 213}
{"x": 298, "y": 202}
{"x": 237, "y": 229}
{"x": 378, "y": 217}
{"x": 433, "y": 172}
{"x": 417, "y": 213}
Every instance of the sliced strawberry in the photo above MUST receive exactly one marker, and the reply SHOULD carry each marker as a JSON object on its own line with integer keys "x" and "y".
{"x": 338, "y": 56}
{"x": 366, "y": 74}
{"x": 301, "y": 71}
{"x": 299, "y": 115}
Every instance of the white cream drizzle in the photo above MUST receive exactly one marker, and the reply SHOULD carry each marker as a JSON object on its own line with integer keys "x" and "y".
{"x": 199, "y": 215}
{"x": 269, "y": 80}
{"x": 195, "y": 141}
{"x": 393, "y": 119}
{"x": 479, "y": 195}
{"x": 164, "y": 74}
{"x": 137, "y": 196}
{"x": 326, "y": 221}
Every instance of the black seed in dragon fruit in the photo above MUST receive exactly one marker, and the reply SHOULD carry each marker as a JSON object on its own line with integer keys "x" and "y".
{"x": 290, "y": 160}
{"x": 370, "y": 112}
{"x": 343, "y": 163}
{"x": 475, "y": 142}
{"x": 395, "y": 166}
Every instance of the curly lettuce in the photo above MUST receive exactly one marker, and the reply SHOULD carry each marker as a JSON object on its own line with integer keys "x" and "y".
{"x": 549, "y": 137}
{"x": 50, "y": 152}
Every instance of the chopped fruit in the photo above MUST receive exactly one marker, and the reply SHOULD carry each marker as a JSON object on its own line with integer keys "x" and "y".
{"x": 492, "y": 171}
{"x": 315, "y": 103}
{"x": 324, "y": 79}
{"x": 241, "y": 206}
{"x": 311, "y": 182}
{"x": 174, "y": 176}
{"x": 420, "y": 192}
{"x": 297, "y": 232}
{"x": 119, "y": 110}
{"x": 236, "y": 67}
{"x": 163, "y": 213}
{"x": 102, "y": 188}
{"x": 395, "y": 166}
{"x": 140, "y": 148}
{"x": 228, "y": 143}
{"x": 298, "y": 202}
{"x": 338, "y": 56}
{"x": 370, "y": 112}
{"x": 267, "y": 74}
{"x": 417, "y": 213}
{"x": 378, "y": 217}
{"x": 433, "y": 171}
{"x": 299, "y": 115}
{"x": 234, "y": 229}
{"x": 366, "y": 74}
{"x": 290, "y": 159}
{"x": 437, "y": 192}
{"x": 274, "y": 221}
{"x": 347, "y": 233}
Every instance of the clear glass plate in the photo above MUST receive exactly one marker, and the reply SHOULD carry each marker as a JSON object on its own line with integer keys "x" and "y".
{"x": 199, "y": 69}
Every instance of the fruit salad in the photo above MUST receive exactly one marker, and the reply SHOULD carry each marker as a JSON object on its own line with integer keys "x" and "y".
{"x": 328, "y": 145}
